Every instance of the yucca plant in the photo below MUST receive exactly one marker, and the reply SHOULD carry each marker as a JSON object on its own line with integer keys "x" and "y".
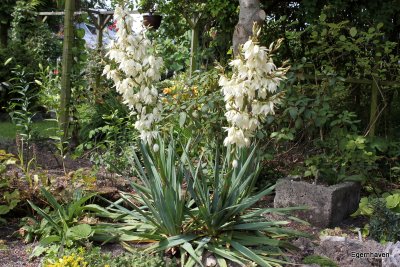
{"x": 224, "y": 197}
{"x": 187, "y": 206}
{"x": 160, "y": 208}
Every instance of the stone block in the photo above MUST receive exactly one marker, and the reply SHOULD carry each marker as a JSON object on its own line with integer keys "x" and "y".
{"x": 328, "y": 205}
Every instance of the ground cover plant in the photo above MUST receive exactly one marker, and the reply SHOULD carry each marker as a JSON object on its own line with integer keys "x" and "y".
{"x": 162, "y": 147}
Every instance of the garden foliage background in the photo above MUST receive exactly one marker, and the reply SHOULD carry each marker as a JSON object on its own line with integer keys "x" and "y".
{"x": 338, "y": 116}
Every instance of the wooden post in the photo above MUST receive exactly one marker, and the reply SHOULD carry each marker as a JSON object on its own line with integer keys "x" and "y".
{"x": 99, "y": 33}
{"x": 100, "y": 22}
{"x": 65, "y": 96}
{"x": 4, "y": 34}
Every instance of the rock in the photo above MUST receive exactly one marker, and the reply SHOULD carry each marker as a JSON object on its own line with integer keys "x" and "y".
{"x": 328, "y": 205}
{"x": 351, "y": 252}
{"x": 334, "y": 238}
{"x": 392, "y": 252}
{"x": 211, "y": 261}
{"x": 306, "y": 245}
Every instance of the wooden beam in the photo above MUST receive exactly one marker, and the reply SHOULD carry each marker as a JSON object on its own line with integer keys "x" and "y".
{"x": 57, "y": 13}
{"x": 91, "y": 10}
{"x": 106, "y": 19}
{"x": 100, "y": 11}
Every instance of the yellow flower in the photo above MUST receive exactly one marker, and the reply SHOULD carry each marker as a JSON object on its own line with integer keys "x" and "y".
{"x": 72, "y": 260}
{"x": 167, "y": 90}
{"x": 195, "y": 90}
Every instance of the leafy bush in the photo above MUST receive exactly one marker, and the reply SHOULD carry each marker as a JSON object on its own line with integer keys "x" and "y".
{"x": 107, "y": 133}
{"x": 344, "y": 158}
{"x": 31, "y": 44}
{"x": 61, "y": 227}
{"x": 384, "y": 224}
{"x": 325, "y": 113}
{"x": 384, "y": 216}
{"x": 194, "y": 107}
{"x": 10, "y": 199}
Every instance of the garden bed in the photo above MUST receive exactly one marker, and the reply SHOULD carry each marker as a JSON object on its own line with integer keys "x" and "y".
{"x": 16, "y": 253}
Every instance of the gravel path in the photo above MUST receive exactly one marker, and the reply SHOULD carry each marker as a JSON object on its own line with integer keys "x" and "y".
{"x": 13, "y": 252}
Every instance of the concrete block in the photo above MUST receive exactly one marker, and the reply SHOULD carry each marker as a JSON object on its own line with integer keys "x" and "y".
{"x": 328, "y": 205}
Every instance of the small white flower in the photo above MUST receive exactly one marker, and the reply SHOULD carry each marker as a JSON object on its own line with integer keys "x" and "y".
{"x": 137, "y": 71}
{"x": 235, "y": 163}
{"x": 249, "y": 92}
{"x": 156, "y": 147}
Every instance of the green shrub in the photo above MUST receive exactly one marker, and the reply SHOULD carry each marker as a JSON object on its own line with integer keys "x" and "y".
{"x": 60, "y": 227}
{"x": 10, "y": 198}
{"x": 384, "y": 224}
{"x": 384, "y": 216}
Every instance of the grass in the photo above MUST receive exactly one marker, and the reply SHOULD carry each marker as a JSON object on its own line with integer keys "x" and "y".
{"x": 42, "y": 129}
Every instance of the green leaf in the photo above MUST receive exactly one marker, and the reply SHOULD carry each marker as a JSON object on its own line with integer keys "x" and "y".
{"x": 38, "y": 82}
{"x": 80, "y": 33}
{"x": 53, "y": 202}
{"x": 182, "y": 118}
{"x": 392, "y": 201}
{"x": 353, "y": 32}
{"x": 171, "y": 242}
{"x": 226, "y": 253}
{"x": 49, "y": 239}
{"x": 258, "y": 225}
{"x": 81, "y": 231}
{"x": 221, "y": 262}
{"x": 342, "y": 38}
{"x": 293, "y": 111}
{"x": 37, "y": 251}
{"x": 186, "y": 246}
{"x": 298, "y": 123}
{"x": 8, "y": 61}
{"x": 364, "y": 208}
{"x": 249, "y": 254}
{"x": 4, "y": 209}
{"x": 322, "y": 17}
{"x": 46, "y": 216}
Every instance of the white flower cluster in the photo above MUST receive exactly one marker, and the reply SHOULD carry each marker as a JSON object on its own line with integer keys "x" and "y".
{"x": 136, "y": 71}
{"x": 250, "y": 93}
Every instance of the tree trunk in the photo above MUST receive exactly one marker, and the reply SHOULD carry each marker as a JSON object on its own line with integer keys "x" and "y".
{"x": 4, "y": 34}
{"x": 65, "y": 96}
{"x": 250, "y": 12}
{"x": 194, "y": 49}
